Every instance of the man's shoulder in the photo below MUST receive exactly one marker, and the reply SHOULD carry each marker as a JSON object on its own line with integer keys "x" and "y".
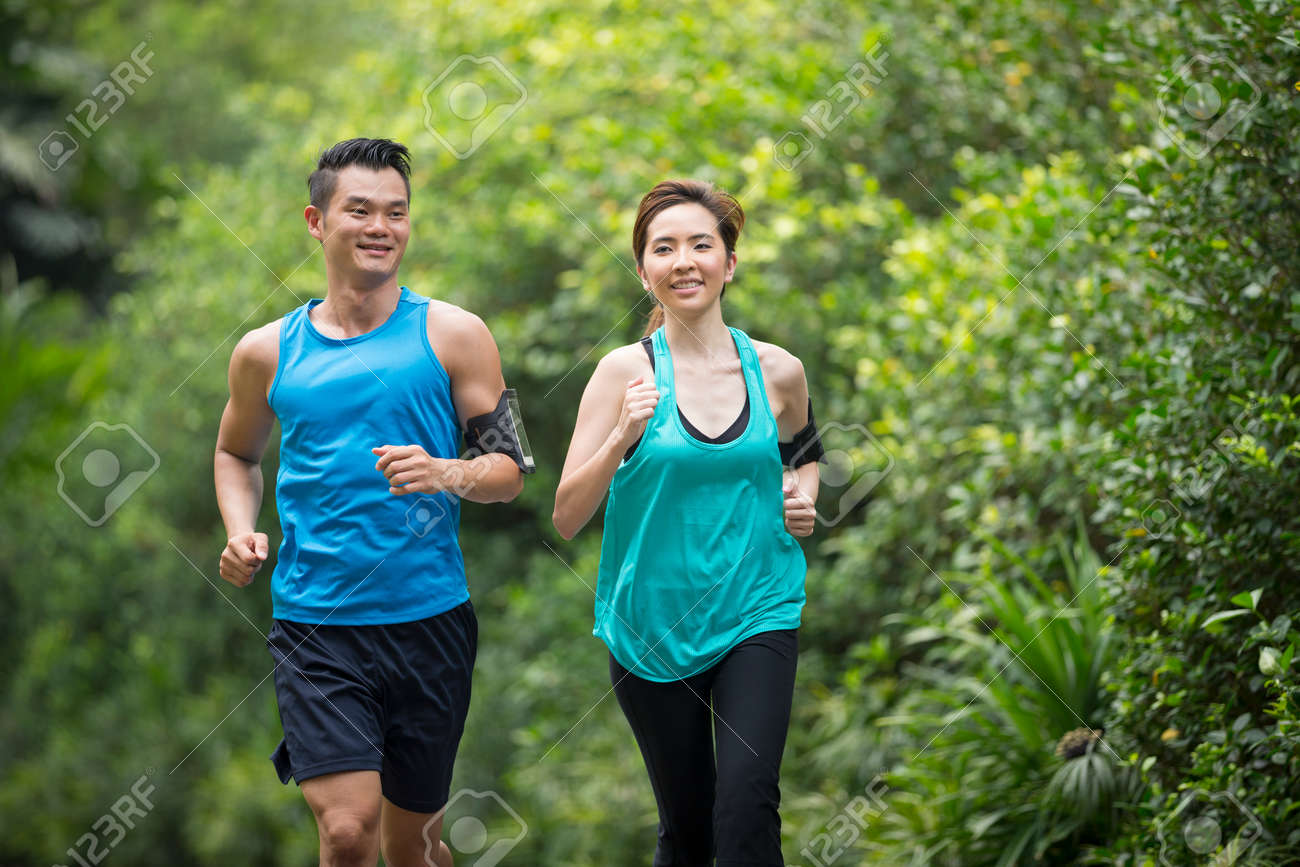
{"x": 459, "y": 338}
{"x": 453, "y": 329}
{"x": 452, "y": 320}
{"x": 259, "y": 347}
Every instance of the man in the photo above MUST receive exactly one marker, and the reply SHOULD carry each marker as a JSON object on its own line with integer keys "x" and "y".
{"x": 374, "y": 637}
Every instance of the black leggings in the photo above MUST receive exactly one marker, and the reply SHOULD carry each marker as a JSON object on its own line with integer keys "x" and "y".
{"x": 726, "y": 809}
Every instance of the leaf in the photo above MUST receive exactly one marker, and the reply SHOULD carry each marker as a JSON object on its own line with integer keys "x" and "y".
{"x": 1270, "y": 662}
{"x": 1249, "y": 599}
{"x": 1220, "y": 616}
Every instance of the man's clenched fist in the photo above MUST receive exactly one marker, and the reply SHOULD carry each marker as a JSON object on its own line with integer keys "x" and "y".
{"x": 243, "y": 556}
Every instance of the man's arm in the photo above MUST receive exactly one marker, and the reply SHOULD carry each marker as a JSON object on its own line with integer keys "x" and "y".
{"x": 241, "y": 440}
{"x": 469, "y": 355}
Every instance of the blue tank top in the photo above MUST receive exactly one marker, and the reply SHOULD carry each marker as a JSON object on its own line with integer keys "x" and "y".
{"x": 353, "y": 553}
{"x": 695, "y": 557}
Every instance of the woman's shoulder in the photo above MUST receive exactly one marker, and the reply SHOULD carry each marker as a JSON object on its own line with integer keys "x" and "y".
{"x": 627, "y": 362}
{"x": 780, "y": 366}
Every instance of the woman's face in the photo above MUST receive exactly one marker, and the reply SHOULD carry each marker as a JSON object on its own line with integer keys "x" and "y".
{"x": 684, "y": 263}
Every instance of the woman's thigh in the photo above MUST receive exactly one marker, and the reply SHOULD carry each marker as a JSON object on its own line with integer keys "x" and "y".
{"x": 752, "y": 691}
{"x": 673, "y": 727}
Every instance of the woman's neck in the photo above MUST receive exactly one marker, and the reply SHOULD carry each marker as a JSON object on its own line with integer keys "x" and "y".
{"x": 705, "y": 340}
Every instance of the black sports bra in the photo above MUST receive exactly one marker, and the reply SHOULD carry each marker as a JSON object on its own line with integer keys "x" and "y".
{"x": 731, "y": 433}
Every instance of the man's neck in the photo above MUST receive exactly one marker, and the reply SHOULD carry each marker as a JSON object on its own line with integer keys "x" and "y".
{"x": 349, "y": 310}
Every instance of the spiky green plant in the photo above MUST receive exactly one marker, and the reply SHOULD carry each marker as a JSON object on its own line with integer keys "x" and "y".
{"x": 1011, "y": 674}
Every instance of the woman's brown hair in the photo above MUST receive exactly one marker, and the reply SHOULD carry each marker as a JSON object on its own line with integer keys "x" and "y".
{"x": 666, "y": 194}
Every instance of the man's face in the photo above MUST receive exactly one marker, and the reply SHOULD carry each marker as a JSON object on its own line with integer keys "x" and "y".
{"x": 365, "y": 226}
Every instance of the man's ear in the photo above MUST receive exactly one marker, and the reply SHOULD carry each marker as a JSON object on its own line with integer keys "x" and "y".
{"x": 315, "y": 222}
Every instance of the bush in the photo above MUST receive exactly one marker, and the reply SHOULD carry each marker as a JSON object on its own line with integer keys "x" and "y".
{"x": 1201, "y": 482}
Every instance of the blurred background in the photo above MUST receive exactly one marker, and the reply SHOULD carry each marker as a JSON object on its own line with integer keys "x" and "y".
{"x": 1041, "y": 261}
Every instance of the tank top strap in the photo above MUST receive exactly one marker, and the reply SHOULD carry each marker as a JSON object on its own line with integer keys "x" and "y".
{"x": 663, "y": 367}
{"x": 415, "y": 317}
{"x": 291, "y": 340}
{"x": 753, "y": 370}
{"x": 294, "y": 319}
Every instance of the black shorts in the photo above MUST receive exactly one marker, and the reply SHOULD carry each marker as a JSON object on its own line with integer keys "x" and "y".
{"x": 389, "y": 698}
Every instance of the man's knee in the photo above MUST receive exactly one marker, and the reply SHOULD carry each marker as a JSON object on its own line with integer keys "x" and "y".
{"x": 348, "y": 836}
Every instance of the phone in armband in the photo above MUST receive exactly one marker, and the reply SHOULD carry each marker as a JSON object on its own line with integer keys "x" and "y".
{"x": 501, "y": 431}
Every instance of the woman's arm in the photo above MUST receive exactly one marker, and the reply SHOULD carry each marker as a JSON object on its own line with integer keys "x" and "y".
{"x": 800, "y": 492}
{"x": 790, "y": 396}
{"x": 615, "y": 409}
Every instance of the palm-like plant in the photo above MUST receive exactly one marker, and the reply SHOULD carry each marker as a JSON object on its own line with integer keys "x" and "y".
{"x": 1014, "y": 769}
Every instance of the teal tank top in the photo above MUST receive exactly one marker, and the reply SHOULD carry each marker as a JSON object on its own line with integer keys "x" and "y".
{"x": 354, "y": 554}
{"x": 695, "y": 557}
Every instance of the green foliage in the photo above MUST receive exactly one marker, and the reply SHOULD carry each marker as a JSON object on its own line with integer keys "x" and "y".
{"x": 130, "y": 142}
{"x": 1014, "y": 669}
{"x": 1201, "y": 479}
{"x": 997, "y": 265}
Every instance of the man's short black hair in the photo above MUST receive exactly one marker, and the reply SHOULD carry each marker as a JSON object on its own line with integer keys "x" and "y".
{"x": 370, "y": 153}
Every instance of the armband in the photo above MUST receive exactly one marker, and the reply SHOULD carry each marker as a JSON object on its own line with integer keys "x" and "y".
{"x": 806, "y": 447}
{"x": 501, "y": 431}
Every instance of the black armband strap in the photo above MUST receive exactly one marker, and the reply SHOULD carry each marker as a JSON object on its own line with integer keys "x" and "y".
{"x": 501, "y": 431}
{"x": 806, "y": 446}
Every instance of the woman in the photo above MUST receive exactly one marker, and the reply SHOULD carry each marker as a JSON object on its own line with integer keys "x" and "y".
{"x": 700, "y": 586}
